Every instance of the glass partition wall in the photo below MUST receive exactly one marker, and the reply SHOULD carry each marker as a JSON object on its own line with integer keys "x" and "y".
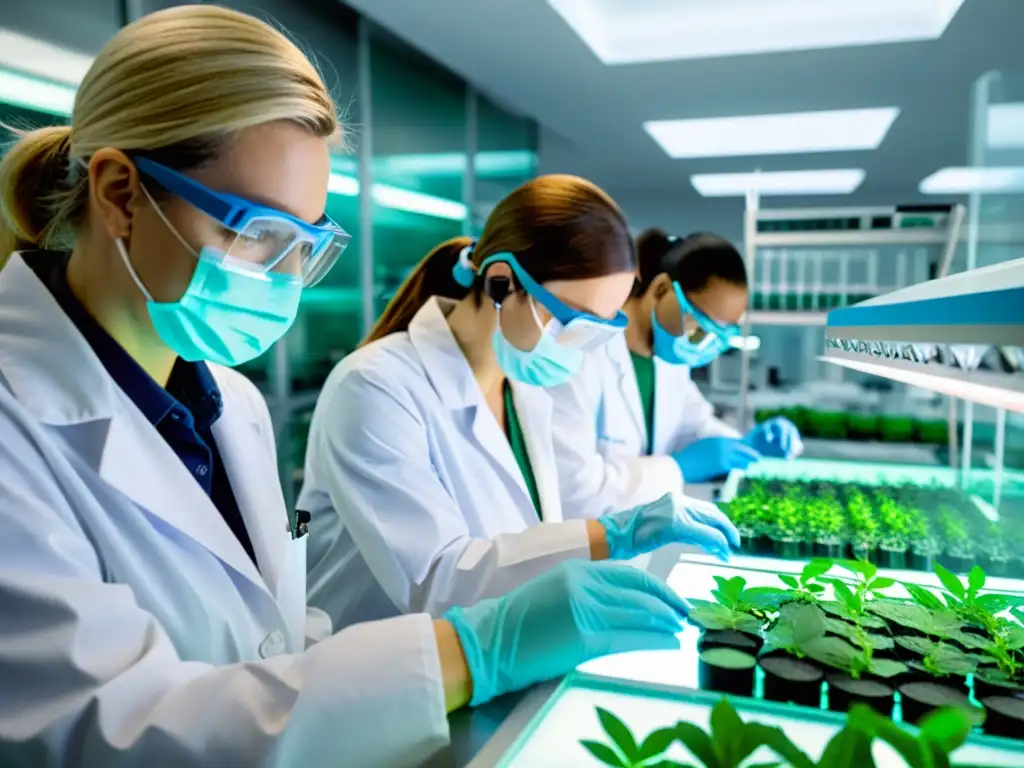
{"x": 426, "y": 158}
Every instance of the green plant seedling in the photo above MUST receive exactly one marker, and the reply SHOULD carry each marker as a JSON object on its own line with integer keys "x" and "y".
{"x": 732, "y": 593}
{"x": 837, "y": 652}
{"x": 806, "y": 586}
{"x": 798, "y": 624}
{"x": 858, "y": 636}
{"x": 940, "y": 733}
{"x": 708, "y": 615}
{"x": 936, "y": 622}
{"x": 868, "y": 584}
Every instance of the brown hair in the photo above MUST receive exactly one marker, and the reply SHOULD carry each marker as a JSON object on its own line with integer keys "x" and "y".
{"x": 558, "y": 228}
{"x": 171, "y": 86}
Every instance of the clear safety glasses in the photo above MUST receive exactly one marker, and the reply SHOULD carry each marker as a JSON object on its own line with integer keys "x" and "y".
{"x": 705, "y": 334}
{"x": 569, "y": 327}
{"x": 263, "y": 239}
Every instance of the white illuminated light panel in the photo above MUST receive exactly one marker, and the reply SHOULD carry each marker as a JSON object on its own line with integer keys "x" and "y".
{"x": 773, "y": 183}
{"x": 1004, "y": 127}
{"x": 964, "y": 181}
{"x": 796, "y": 132}
{"x": 632, "y": 31}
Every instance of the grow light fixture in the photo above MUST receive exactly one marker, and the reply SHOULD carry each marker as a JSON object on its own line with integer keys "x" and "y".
{"x": 627, "y": 32}
{"x": 964, "y": 181}
{"x": 775, "y": 183}
{"x": 791, "y": 133}
{"x": 961, "y": 335}
{"x": 399, "y": 199}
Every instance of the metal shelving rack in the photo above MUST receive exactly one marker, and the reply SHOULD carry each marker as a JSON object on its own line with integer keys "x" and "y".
{"x": 803, "y": 240}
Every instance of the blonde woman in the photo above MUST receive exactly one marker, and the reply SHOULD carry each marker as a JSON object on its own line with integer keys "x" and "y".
{"x": 152, "y": 583}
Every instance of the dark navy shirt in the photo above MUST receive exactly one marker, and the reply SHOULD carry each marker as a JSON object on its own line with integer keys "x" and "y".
{"x": 183, "y": 413}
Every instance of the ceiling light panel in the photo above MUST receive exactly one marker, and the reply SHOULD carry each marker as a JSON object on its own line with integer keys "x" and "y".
{"x": 1004, "y": 127}
{"x": 797, "y": 132}
{"x": 42, "y": 59}
{"x": 841, "y": 181}
{"x": 964, "y": 181}
{"x": 627, "y": 31}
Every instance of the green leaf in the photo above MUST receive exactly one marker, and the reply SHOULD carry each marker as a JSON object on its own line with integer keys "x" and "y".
{"x": 939, "y": 623}
{"x": 833, "y": 651}
{"x": 947, "y": 728}
{"x": 993, "y": 603}
{"x": 976, "y": 579}
{"x": 816, "y": 588}
{"x": 846, "y": 596}
{"x": 886, "y": 667}
{"x": 882, "y": 582}
{"x": 814, "y": 569}
{"x": 699, "y": 743}
{"x": 620, "y": 734}
{"x": 1013, "y": 636}
{"x": 850, "y": 748}
{"x": 604, "y": 753}
{"x": 950, "y": 581}
{"x": 970, "y": 640}
{"x": 909, "y": 748}
{"x": 789, "y": 581}
{"x": 726, "y": 725}
{"x": 766, "y": 598}
{"x": 714, "y": 616}
{"x": 778, "y": 742}
{"x": 921, "y": 645}
{"x": 860, "y": 567}
{"x": 922, "y": 596}
{"x": 865, "y": 620}
{"x": 656, "y": 743}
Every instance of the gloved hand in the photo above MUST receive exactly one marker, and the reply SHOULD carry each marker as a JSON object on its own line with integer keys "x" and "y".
{"x": 573, "y": 613}
{"x": 778, "y": 438}
{"x": 713, "y": 457}
{"x": 672, "y": 519}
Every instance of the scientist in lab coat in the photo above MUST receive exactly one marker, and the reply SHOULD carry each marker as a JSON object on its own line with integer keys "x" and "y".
{"x": 633, "y": 425}
{"x": 152, "y": 583}
{"x": 430, "y": 473}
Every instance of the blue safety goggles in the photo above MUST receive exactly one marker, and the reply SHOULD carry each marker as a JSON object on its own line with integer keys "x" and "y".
{"x": 569, "y": 327}
{"x": 264, "y": 237}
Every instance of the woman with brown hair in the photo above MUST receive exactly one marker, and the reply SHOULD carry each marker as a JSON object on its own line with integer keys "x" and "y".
{"x": 430, "y": 470}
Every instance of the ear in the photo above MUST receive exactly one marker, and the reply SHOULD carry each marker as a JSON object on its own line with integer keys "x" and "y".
{"x": 660, "y": 286}
{"x": 115, "y": 191}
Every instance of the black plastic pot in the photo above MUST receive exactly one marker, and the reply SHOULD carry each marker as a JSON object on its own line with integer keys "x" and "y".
{"x": 918, "y": 674}
{"x": 863, "y": 552}
{"x": 987, "y": 689}
{"x": 806, "y": 549}
{"x": 727, "y": 670}
{"x": 748, "y": 543}
{"x": 920, "y": 561}
{"x": 844, "y": 692}
{"x": 791, "y": 680}
{"x": 730, "y": 638}
{"x": 997, "y": 566}
{"x": 787, "y": 549}
{"x": 919, "y": 699}
{"x": 1004, "y": 716}
{"x": 830, "y": 550}
{"x": 763, "y": 545}
{"x": 892, "y": 558}
{"x": 956, "y": 563}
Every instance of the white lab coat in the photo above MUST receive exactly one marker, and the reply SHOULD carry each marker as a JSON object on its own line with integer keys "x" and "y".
{"x": 417, "y": 502}
{"x": 601, "y": 436}
{"x": 136, "y": 630}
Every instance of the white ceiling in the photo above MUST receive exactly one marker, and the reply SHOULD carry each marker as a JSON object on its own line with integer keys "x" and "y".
{"x": 523, "y": 53}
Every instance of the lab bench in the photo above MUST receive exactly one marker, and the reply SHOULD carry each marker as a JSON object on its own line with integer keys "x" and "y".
{"x": 648, "y": 690}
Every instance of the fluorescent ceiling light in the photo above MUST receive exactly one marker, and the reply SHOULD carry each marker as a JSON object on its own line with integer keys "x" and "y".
{"x": 1004, "y": 127}
{"x": 38, "y": 57}
{"x": 628, "y": 31}
{"x": 963, "y": 181}
{"x": 400, "y": 199}
{"x": 833, "y": 182}
{"x": 845, "y": 129}
{"x": 487, "y": 163}
{"x": 30, "y": 93}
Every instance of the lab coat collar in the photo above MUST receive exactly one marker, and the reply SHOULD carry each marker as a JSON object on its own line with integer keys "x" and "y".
{"x": 446, "y": 366}
{"x": 55, "y": 375}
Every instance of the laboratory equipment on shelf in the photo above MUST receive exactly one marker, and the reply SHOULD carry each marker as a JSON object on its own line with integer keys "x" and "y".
{"x": 803, "y": 263}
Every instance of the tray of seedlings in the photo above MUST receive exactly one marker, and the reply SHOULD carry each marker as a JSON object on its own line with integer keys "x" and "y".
{"x": 960, "y": 647}
{"x": 900, "y": 527}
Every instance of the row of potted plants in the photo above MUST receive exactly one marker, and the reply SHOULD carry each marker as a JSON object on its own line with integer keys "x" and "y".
{"x": 730, "y": 741}
{"x": 846, "y": 425}
{"x": 962, "y": 648}
{"x": 893, "y": 526}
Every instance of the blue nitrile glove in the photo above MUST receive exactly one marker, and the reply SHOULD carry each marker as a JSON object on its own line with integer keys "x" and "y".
{"x": 713, "y": 457}
{"x": 575, "y": 612}
{"x": 672, "y": 519}
{"x": 777, "y": 437}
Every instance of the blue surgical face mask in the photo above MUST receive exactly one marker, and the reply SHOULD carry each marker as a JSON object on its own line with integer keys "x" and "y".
{"x": 679, "y": 350}
{"x": 228, "y": 314}
{"x": 548, "y": 364}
